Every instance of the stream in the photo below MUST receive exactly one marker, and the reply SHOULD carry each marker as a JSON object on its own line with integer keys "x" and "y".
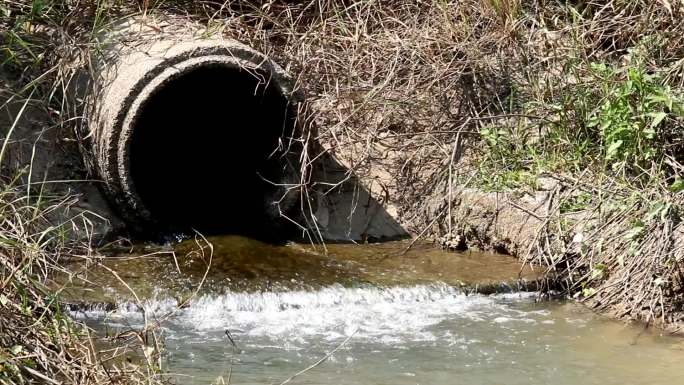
{"x": 250, "y": 313}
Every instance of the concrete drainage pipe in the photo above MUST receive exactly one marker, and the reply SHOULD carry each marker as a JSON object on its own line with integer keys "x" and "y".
{"x": 191, "y": 133}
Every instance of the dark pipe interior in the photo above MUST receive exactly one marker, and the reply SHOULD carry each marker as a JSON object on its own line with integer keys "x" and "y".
{"x": 201, "y": 149}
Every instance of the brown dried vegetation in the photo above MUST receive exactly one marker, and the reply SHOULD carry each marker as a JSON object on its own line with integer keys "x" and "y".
{"x": 420, "y": 99}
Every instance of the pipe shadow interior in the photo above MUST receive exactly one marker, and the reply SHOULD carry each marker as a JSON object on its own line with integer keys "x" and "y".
{"x": 204, "y": 149}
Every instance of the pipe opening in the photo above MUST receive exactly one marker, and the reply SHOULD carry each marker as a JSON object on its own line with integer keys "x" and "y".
{"x": 203, "y": 149}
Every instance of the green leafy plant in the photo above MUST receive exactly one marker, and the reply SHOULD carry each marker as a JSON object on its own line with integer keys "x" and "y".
{"x": 575, "y": 203}
{"x": 677, "y": 185}
{"x": 510, "y": 162}
{"x": 633, "y": 116}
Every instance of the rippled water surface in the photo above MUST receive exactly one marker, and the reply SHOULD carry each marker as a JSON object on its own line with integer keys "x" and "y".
{"x": 421, "y": 331}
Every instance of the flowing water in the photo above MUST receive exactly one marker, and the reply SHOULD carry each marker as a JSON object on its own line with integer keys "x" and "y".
{"x": 379, "y": 314}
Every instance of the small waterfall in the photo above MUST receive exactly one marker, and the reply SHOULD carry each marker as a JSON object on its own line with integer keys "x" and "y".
{"x": 330, "y": 313}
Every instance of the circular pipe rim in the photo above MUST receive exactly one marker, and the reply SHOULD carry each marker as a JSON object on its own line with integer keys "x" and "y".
{"x": 117, "y": 149}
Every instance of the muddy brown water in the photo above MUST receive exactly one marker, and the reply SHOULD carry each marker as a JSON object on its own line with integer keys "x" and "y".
{"x": 394, "y": 316}
{"x": 241, "y": 264}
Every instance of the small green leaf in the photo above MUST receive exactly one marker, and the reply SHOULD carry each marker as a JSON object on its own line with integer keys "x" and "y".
{"x": 665, "y": 211}
{"x": 612, "y": 149}
{"x": 658, "y": 98}
{"x": 677, "y": 185}
{"x": 598, "y": 271}
{"x": 650, "y": 133}
{"x": 655, "y": 211}
{"x": 16, "y": 349}
{"x": 593, "y": 122}
{"x": 598, "y": 67}
{"x": 634, "y": 232}
{"x": 657, "y": 118}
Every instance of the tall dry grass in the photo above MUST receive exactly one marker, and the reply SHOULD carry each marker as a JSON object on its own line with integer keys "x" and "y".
{"x": 39, "y": 342}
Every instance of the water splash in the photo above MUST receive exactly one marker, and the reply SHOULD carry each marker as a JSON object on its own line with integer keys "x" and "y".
{"x": 386, "y": 315}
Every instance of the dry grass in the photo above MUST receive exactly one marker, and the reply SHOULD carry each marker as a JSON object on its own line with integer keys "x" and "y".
{"x": 39, "y": 343}
{"x": 400, "y": 92}
{"x": 621, "y": 251}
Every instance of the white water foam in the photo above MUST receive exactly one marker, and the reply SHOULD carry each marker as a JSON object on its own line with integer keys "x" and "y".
{"x": 386, "y": 315}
